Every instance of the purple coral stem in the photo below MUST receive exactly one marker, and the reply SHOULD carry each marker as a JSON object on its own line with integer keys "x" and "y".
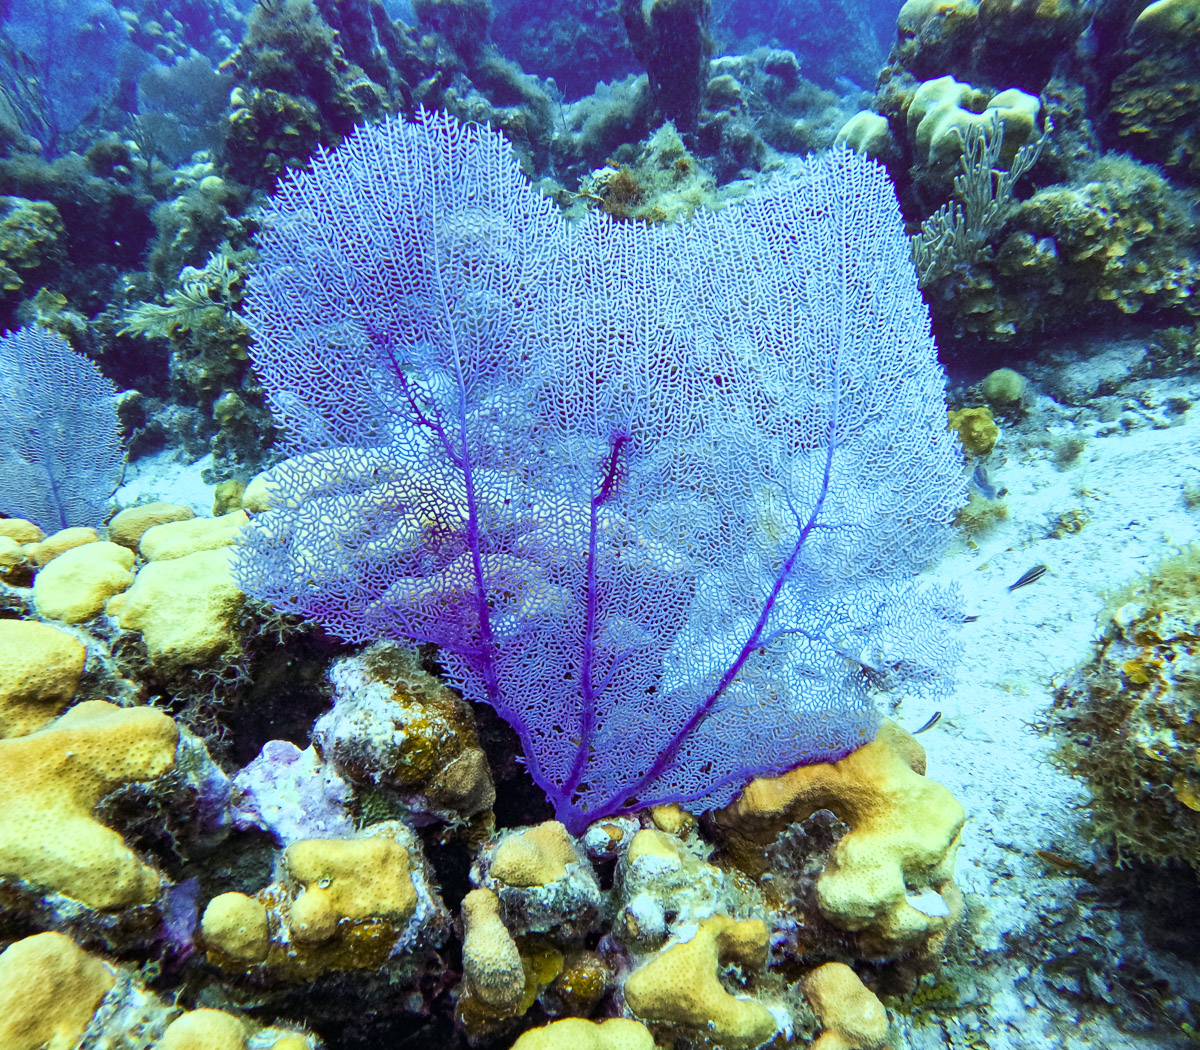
{"x": 578, "y": 821}
{"x": 587, "y": 689}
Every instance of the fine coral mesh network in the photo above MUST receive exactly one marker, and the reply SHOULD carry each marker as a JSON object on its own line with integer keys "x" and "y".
{"x": 657, "y": 492}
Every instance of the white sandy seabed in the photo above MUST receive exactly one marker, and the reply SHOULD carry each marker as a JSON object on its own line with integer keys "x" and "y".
{"x": 1043, "y": 961}
{"x": 1046, "y": 959}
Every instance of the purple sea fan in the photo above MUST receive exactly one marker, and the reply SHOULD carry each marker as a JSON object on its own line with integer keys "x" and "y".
{"x": 657, "y": 492}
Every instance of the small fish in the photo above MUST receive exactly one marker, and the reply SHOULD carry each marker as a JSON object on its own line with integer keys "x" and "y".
{"x": 970, "y": 619}
{"x": 937, "y": 717}
{"x": 1032, "y": 576}
{"x": 1057, "y": 860}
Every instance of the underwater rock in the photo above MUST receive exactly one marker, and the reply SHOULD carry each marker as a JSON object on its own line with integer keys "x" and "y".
{"x": 1125, "y": 719}
{"x": 660, "y": 876}
{"x": 293, "y": 794}
{"x": 671, "y": 39}
{"x": 404, "y": 739}
{"x": 543, "y": 882}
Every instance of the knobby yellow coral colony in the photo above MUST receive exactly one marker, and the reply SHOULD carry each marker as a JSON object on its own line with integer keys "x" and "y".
{"x": 710, "y": 931}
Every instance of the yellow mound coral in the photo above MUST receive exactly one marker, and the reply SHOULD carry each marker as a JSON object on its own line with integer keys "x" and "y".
{"x": 237, "y": 925}
{"x": 175, "y": 539}
{"x": 185, "y": 608}
{"x": 1179, "y": 19}
{"x": 867, "y": 132}
{"x": 680, "y": 985}
{"x": 575, "y": 1034}
{"x": 338, "y": 904}
{"x": 851, "y": 1014}
{"x": 535, "y": 856}
{"x": 890, "y": 877}
{"x": 491, "y": 963}
{"x": 77, "y": 583}
{"x": 39, "y": 673}
{"x": 20, "y": 530}
{"x": 347, "y": 880}
{"x": 942, "y": 109}
{"x": 51, "y": 782}
{"x": 204, "y": 1030}
{"x": 128, "y": 527}
{"x": 49, "y": 990}
{"x": 60, "y": 542}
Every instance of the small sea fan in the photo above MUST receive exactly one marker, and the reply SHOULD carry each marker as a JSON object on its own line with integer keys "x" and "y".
{"x": 60, "y": 443}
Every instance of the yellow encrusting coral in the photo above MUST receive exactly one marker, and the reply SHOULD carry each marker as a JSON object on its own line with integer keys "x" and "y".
{"x": 76, "y": 584}
{"x": 572, "y": 1033}
{"x": 49, "y": 990}
{"x": 492, "y": 966}
{"x": 129, "y": 525}
{"x": 680, "y": 985}
{"x": 204, "y": 1030}
{"x": 40, "y": 667}
{"x": 851, "y": 1015}
{"x": 337, "y": 904}
{"x": 237, "y": 925}
{"x": 889, "y": 879}
{"x": 347, "y": 880}
{"x": 534, "y": 856}
{"x": 185, "y": 609}
{"x": 50, "y": 784}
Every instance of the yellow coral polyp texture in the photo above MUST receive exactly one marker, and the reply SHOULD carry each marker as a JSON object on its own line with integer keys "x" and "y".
{"x": 491, "y": 962}
{"x": 49, "y": 991}
{"x": 889, "y": 879}
{"x": 680, "y": 985}
{"x": 237, "y": 925}
{"x": 943, "y": 109}
{"x": 851, "y": 1015}
{"x": 184, "y": 607}
{"x": 204, "y": 1030}
{"x": 40, "y": 667}
{"x": 50, "y": 784}
{"x": 534, "y": 857}
{"x": 347, "y": 880}
{"x": 573, "y": 1033}
{"x": 76, "y": 584}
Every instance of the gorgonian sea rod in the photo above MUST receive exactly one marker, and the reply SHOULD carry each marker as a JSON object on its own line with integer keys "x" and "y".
{"x": 658, "y": 493}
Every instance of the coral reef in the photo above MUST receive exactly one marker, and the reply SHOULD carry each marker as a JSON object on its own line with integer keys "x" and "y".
{"x": 55, "y": 995}
{"x": 1124, "y": 720}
